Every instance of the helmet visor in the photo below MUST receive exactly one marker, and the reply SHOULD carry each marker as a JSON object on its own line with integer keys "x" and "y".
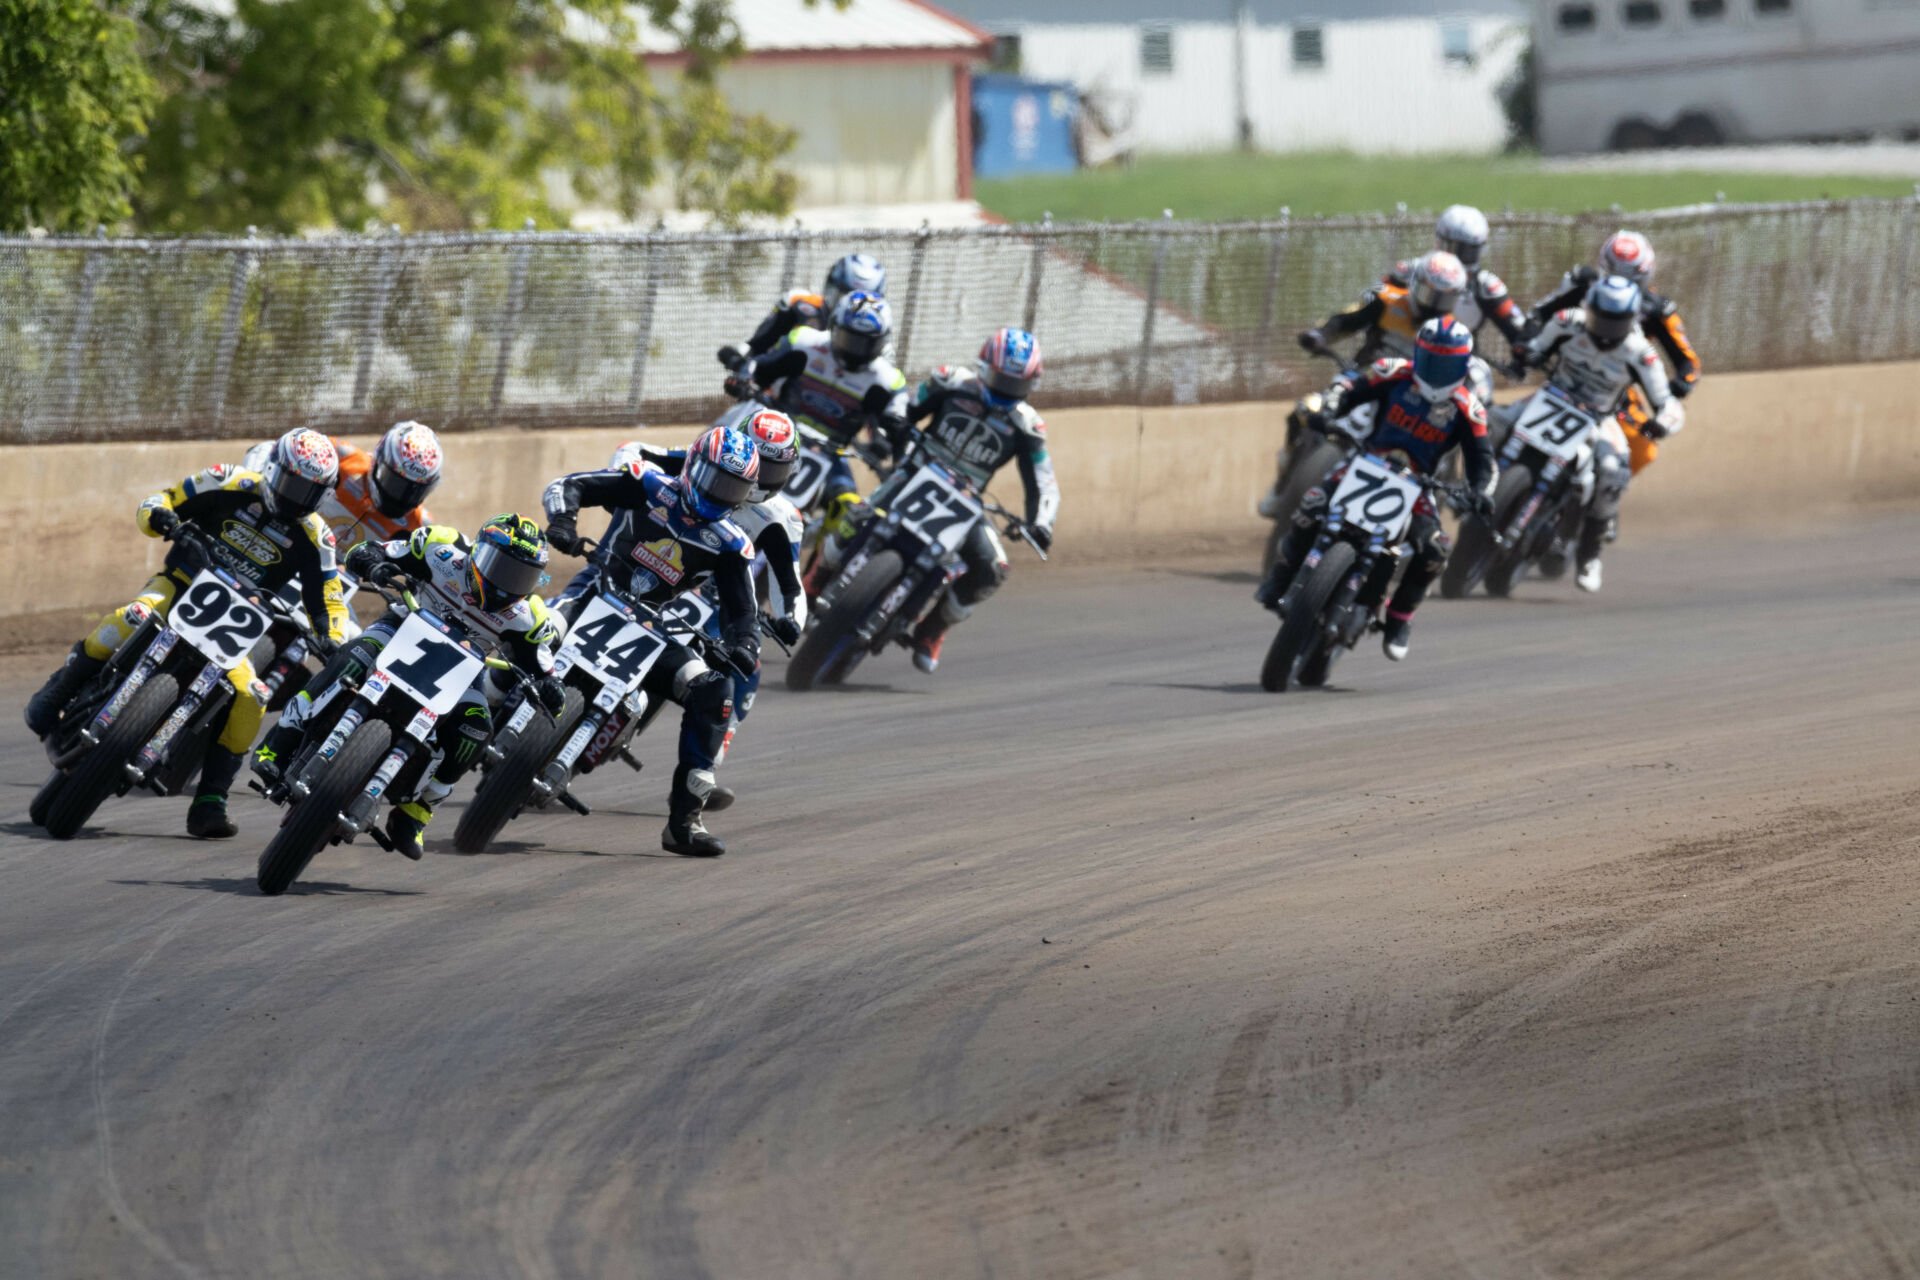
{"x": 774, "y": 473}
{"x": 1441, "y": 367}
{"x": 294, "y": 494}
{"x": 1432, "y": 299}
{"x": 1468, "y": 251}
{"x": 1608, "y": 328}
{"x": 857, "y": 350}
{"x": 1005, "y": 384}
{"x": 718, "y": 485}
{"x": 505, "y": 572}
{"x": 395, "y": 494}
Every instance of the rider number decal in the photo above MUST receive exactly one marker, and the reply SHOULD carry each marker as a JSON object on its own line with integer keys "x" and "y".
{"x": 808, "y": 478}
{"x": 937, "y": 511}
{"x": 1374, "y": 497}
{"x": 1554, "y": 426}
{"x": 612, "y": 645}
{"x": 429, "y": 667}
{"x": 217, "y": 620}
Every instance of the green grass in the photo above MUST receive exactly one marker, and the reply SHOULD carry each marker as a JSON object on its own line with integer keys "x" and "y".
{"x": 1213, "y": 187}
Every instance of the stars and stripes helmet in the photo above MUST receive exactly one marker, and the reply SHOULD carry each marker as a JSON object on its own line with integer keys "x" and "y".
{"x": 300, "y": 471}
{"x": 406, "y": 468}
{"x": 721, "y": 470}
{"x": 1010, "y": 365}
{"x": 1442, "y": 354}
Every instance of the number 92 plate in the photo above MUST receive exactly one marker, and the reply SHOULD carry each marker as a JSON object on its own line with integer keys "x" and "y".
{"x": 217, "y": 620}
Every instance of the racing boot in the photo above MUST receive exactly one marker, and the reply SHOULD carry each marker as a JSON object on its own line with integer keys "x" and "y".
{"x": 207, "y": 816}
{"x": 685, "y": 833}
{"x": 271, "y": 758}
{"x": 928, "y": 636}
{"x": 1286, "y": 562}
{"x": 1593, "y": 532}
{"x": 407, "y": 828}
{"x": 1398, "y": 637}
{"x": 44, "y": 708}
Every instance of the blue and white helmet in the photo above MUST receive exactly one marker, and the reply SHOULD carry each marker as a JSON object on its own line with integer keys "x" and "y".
{"x": 855, "y": 273}
{"x": 862, "y": 324}
{"x": 1612, "y": 310}
{"x": 1442, "y": 353}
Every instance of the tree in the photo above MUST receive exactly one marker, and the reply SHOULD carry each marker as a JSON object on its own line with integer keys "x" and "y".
{"x": 288, "y": 114}
{"x": 74, "y": 96}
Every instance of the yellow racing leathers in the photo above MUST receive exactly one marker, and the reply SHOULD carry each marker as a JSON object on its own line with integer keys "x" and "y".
{"x": 250, "y": 542}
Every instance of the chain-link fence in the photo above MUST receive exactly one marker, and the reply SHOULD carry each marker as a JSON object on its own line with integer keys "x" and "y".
{"x": 115, "y": 339}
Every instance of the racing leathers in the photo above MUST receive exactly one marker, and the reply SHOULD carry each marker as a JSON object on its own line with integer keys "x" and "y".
{"x": 656, "y": 552}
{"x": 799, "y": 309}
{"x": 255, "y": 545}
{"x": 434, "y": 557}
{"x": 1603, "y": 379}
{"x": 1486, "y": 299}
{"x": 811, "y": 385}
{"x": 1413, "y": 431}
{"x": 1659, "y": 320}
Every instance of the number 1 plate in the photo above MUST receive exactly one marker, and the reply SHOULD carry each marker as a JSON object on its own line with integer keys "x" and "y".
{"x": 427, "y": 666}
{"x": 217, "y": 620}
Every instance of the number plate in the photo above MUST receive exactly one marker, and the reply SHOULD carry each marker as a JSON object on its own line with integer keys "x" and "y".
{"x": 932, "y": 507}
{"x": 809, "y": 476}
{"x": 1553, "y": 426}
{"x": 612, "y": 646}
{"x": 428, "y": 666}
{"x": 217, "y": 620}
{"x": 1377, "y": 498}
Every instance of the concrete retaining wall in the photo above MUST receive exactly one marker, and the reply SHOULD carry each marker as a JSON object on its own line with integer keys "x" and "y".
{"x": 1139, "y": 483}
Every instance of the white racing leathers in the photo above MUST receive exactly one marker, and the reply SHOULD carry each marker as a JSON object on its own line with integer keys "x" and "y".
{"x": 1599, "y": 377}
{"x": 774, "y": 527}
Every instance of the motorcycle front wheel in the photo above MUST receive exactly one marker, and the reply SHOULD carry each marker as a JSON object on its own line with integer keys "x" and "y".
{"x": 1302, "y": 627}
{"x": 310, "y": 824}
{"x": 829, "y": 651}
{"x": 1506, "y": 566}
{"x": 1475, "y": 553}
{"x": 43, "y": 799}
{"x": 101, "y": 773}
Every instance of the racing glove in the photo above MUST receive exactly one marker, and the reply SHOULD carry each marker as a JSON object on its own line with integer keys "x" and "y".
{"x": 363, "y": 560}
{"x": 563, "y": 535}
{"x": 1681, "y": 390}
{"x": 552, "y": 694}
{"x": 744, "y": 655}
{"x": 731, "y": 356}
{"x": 1478, "y": 504}
{"x": 1312, "y": 340}
{"x": 1041, "y": 535}
{"x": 163, "y": 521}
{"x": 785, "y": 630}
{"x": 740, "y": 384}
{"x": 383, "y": 573}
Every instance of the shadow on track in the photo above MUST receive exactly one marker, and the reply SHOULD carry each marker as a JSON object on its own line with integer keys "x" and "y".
{"x": 246, "y": 888}
{"x": 28, "y": 829}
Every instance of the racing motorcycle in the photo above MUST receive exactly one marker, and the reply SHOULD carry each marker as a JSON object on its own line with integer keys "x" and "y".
{"x": 898, "y": 564}
{"x": 378, "y": 747}
{"x": 1546, "y": 481}
{"x": 1361, "y": 543}
{"x": 148, "y": 717}
{"x": 607, "y": 653}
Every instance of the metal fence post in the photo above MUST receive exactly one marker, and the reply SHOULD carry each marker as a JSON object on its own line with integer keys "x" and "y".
{"x": 1145, "y": 359}
{"x": 791, "y": 267}
{"x": 90, "y": 268}
{"x": 1270, "y": 300}
{"x": 1044, "y": 234}
{"x": 643, "y": 337}
{"x": 372, "y": 323}
{"x": 510, "y": 323}
{"x": 1904, "y": 321}
{"x": 230, "y": 331}
{"x": 914, "y": 264}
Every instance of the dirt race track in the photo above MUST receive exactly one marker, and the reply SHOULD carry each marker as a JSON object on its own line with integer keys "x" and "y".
{"x": 1584, "y": 943}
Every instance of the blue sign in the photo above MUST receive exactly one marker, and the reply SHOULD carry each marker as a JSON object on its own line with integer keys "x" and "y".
{"x": 1023, "y": 126}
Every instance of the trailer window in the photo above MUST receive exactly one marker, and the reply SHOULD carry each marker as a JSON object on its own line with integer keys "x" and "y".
{"x": 1772, "y": 6}
{"x": 1707, "y": 10}
{"x": 1576, "y": 17}
{"x": 1309, "y": 47}
{"x": 1641, "y": 13}
{"x": 1156, "y": 51}
{"x": 1456, "y": 44}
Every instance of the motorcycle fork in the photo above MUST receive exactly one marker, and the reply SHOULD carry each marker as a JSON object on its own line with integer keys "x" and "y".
{"x": 191, "y": 702}
{"x": 318, "y": 757}
{"x": 559, "y": 771}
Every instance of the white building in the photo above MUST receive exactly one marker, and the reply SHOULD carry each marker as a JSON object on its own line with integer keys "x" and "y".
{"x": 878, "y": 92}
{"x": 1365, "y": 75}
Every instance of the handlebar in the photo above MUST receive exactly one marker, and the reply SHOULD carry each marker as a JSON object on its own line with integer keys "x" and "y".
{"x": 1016, "y": 527}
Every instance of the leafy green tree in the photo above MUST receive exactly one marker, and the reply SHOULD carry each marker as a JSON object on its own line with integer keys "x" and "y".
{"x": 441, "y": 114}
{"x": 74, "y": 97}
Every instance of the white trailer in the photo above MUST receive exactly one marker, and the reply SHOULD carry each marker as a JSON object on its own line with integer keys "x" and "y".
{"x": 1627, "y": 74}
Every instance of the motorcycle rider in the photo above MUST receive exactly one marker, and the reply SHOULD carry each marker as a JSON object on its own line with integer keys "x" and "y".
{"x": 1388, "y": 316}
{"x": 976, "y": 421}
{"x": 676, "y": 530}
{"x": 1597, "y": 354}
{"x": 854, "y": 273}
{"x": 838, "y": 380}
{"x": 1630, "y": 254}
{"x": 485, "y": 587}
{"x": 381, "y": 494}
{"x": 1426, "y": 408}
{"x": 1463, "y": 231}
{"x": 632, "y": 456}
{"x": 263, "y": 527}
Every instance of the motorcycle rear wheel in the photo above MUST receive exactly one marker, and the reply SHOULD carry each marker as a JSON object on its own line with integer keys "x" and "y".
{"x": 1302, "y": 627}
{"x": 1475, "y": 553}
{"x": 310, "y": 824}
{"x": 828, "y": 653}
{"x": 43, "y": 799}
{"x": 1311, "y": 469}
{"x": 100, "y": 774}
{"x": 504, "y": 791}
{"x": 1507, "y": 567}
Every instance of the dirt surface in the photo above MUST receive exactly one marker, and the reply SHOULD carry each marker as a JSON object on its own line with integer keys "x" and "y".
{"x": 1583, "y": 943}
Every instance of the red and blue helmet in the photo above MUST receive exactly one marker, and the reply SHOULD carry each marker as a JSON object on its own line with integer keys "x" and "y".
{"x": 1010, "y": 365}
{"x": 1442, "y": 355}
{"x": 721, "y": 470}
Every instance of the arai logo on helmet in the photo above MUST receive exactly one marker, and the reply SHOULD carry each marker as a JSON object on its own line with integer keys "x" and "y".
{"x": 312, "y": 455}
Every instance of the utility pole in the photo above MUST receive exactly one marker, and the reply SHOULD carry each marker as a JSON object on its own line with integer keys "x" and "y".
{"x": 1243, "y": 118}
